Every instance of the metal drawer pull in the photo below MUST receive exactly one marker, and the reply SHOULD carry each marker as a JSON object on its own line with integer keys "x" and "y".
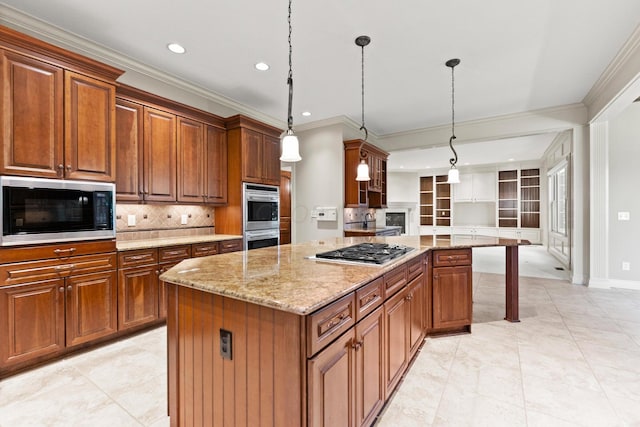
{"x": 173, "y": 253}
{"x": 61, "y": 251}
{"x": 368, "y": 299}
{"x": 138, "y": 257}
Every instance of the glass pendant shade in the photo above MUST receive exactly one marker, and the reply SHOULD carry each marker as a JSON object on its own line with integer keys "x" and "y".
{"x": 454, "y": 176}
{"x": 290, "y": 150}
{"x": 363, "y": 171}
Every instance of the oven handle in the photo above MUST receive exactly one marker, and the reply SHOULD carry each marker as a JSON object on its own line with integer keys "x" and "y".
{"x": 261, "y": 234}
{"x": 261, "y": 198}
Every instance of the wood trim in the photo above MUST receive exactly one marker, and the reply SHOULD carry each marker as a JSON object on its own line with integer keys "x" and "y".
{"x": 132, "y": 94}
{"x": 240, "y": 121}
{"x": 55, "y": 55}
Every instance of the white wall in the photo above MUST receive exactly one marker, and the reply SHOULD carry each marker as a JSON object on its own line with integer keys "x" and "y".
{"x": 318, "y": 180}
{"x": 624, "y": 175}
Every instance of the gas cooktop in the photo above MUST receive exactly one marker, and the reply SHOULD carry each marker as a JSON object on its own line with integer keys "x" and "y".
{"x": 372, "y": 253}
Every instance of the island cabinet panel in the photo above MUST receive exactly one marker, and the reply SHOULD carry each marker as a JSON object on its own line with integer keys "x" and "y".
{"x": 325, "y": 325}
{"x": 369, "y": 362}
{"x": 416, "y": 296}
{"x": 32, "y": 116}
{"x": 261, "y": 384}
{"x": 396, "y": 321}
{"x": 452, "y": 290}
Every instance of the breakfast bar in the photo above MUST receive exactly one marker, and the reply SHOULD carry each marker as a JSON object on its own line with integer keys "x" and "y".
{"x": 276, "y": 336}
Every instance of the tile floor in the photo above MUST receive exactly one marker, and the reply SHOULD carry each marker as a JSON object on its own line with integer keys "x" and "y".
{"x": 574, "y": 360}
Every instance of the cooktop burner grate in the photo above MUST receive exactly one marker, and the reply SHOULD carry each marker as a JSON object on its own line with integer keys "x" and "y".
{"x": 374, "y": 253}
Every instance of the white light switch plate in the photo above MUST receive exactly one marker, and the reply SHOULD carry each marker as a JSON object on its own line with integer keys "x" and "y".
{"x": 131, "y": 220}
{"x": 623, "y": 216}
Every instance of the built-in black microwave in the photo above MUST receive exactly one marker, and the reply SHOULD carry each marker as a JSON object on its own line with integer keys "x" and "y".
{"x": 38, "y": 210}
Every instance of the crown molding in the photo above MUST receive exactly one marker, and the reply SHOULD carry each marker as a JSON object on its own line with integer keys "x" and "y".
{"x": 350, "y": 129}
{"x": 620, "y": 75}
{"x": 45, "y": 31}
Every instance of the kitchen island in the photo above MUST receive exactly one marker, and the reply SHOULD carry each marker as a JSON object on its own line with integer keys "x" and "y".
{"x": 272, "y": 337}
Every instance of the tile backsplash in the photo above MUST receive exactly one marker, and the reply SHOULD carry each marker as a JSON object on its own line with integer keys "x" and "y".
{"x": 163, "y": 220}
{"x": 355, "y": 217}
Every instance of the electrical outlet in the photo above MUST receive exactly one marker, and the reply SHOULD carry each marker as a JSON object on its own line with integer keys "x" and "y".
{"x": 131, "y": 220}
{"x": 226, "y": 344}
{"x": 183, "y": 219}
{"x": 626, "y": 266}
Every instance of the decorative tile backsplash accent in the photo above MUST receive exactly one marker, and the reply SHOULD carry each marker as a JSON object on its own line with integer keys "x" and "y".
{"x": 163, "y": 221}
{"x": 355, "y": 217}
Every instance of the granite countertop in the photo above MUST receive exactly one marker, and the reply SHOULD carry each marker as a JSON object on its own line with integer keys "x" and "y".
{"x": 128, "y": 245}
{"x": 283, "y": 277}
{"x": 372, "y": 229}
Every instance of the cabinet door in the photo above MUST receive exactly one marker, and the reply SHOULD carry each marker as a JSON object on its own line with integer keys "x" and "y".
{"x": 137, "y": 296}
{"x": 32, "y": 117}
{"x": 463, "y": 192}
{"x": 159, "y": 156}
{"x": 369, "y": 357}
{"x": 417, "y": 322}
{"x": 331, "y": 377}
{"x": 129, "y": 147}
{"x": 216, "y": 166}
{"x": 162, "y": 291}
{"x": 252, "y": 155}
{"x": 89, "y": 130}
{"x": 452, "y": 299}
{"x": 396, "y": 320}
{"x": 31, "y": 320}
{"x": 484, "y": 187}
{"x": 91, "y": 307}
{"x": 271, "y": 160}
{"x": 190, "y": 161}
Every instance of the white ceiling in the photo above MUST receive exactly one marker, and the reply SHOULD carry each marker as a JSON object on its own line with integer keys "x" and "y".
{"x": 517, "y": 55}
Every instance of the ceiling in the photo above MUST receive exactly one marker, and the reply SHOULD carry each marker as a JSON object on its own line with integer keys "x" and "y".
{"x": 516, "y": 56}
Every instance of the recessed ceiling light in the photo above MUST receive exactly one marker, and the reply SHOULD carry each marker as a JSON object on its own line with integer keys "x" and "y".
{"x": 262, "y": 66}
{"x": 466, "y": 164}
{"x": 401, "y": 167}
{"x": 176, "y": 48}
{"x": 511, "y": 160}
{"x": 306, "y": 113}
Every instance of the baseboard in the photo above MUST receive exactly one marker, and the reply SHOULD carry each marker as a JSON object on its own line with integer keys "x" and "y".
{"x": 613, "y": 283}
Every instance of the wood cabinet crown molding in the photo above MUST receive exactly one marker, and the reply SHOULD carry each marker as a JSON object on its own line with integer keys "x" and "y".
{"x": 132, "y": 94}
{"x": 27, "y": 45}
{"x": 240, "y": 121}
{"x": 356, "y": 143}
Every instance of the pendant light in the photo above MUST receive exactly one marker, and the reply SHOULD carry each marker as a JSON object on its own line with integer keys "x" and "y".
{"x": 454, "y": 176}
{"x": 290, "y": 144}
{"x": 363, "y": 168}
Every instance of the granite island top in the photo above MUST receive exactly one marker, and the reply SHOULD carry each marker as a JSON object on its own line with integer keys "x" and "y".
{"x": 283, "y": 277}
{"x": 372, "y": 229}
{"x": 128, "y": 245}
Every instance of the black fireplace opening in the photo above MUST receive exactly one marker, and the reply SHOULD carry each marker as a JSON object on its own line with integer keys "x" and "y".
{"x": 396, "y": 219}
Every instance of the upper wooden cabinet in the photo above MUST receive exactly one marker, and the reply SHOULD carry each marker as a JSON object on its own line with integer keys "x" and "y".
{"x": 255, "y": 148}
{"x": 168, "y": 152}
{"x": 372, "y": 193}
{"x": 58, "y": 111}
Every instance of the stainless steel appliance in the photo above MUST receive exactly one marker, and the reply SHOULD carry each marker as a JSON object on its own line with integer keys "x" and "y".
{"x": 371, "y": 253}
{"x": 38, "y": 210}
{"x": 260, "y": 213}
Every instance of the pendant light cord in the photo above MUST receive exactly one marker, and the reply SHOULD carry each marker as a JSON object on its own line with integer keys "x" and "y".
{"x": 363, "y": 127}
{"x": 454, "y": 159}
{"x": 290, "y": 76}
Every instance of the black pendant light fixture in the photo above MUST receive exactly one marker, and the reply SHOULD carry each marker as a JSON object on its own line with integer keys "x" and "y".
{"x": 290, "y": 145}
{"x": 363, "y": 168}
{"x": 454, "y": 176}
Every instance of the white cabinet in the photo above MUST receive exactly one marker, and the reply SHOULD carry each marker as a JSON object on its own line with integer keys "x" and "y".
{"x": 476, "y": 187}
{"x": 530, "y": 234}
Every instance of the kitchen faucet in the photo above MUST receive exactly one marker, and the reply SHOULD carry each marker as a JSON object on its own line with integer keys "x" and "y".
{"x": 367, "y": 215}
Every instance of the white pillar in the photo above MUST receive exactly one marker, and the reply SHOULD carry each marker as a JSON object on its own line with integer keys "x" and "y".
{"x": 599, "y": 205}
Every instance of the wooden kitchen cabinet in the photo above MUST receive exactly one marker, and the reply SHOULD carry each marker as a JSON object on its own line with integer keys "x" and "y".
{"x": 372, "y": 193}
{"x": 91, "y": 307}
{"x": 452, "y": 290}
{"x": 369, "y": 368}
{"x": 32, "y": 116}
{"x": 167, "y": 258}
{"x": 48, "y": 306}
{"x": 89, "y": 149}
{"x": 396, "y": 323}
{"x": 58, "y": 111}
{"x": 170, "y": 152}
{"x": 137, "y": 288}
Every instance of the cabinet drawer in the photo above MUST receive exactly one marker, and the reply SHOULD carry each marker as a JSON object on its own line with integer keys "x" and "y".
{"x": 451, "y": 258}
{"x": 369, "y": 297}
{"x": 174, "y": 253}
{"x": 414, "y": 267}
{"x": 24, "y": 272}
{"x": 395, "y": 280}
{"x": 139, "y": 257}
{"x": 329, "y": 322}
{"x": 204, "y": 249}
{"x": 230, "y": 245}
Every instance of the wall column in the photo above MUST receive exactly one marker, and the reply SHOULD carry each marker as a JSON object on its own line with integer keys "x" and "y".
{"x": 599, "y": 205}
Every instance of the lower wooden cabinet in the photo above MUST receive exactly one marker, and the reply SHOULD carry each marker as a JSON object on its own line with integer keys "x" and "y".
{"x": 90, "y": 307}
{"x": 369, "y": 362}
{"x": 396, "y": 324}
{"x": 452, "y": 297}
{"x": 417, "y": 324}
{"x": 137, "y": 296}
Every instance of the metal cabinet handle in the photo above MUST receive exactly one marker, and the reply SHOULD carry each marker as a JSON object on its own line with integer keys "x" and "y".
{"x": 68, "y": 167}
{"x": 69, "y": 288}
{"x": 61, "y": 251}
{"x": 61, "y": 289}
